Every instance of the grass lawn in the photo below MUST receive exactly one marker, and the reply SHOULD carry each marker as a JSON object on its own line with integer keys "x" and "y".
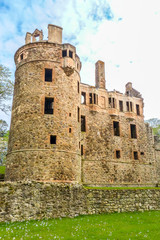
{"x": 2, "y": 169}
{"x": 116, "y": 226}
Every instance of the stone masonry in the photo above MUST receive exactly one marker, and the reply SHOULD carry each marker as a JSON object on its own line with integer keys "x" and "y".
{"x": 38, "y": 200}
{"x": 65, "y": 131}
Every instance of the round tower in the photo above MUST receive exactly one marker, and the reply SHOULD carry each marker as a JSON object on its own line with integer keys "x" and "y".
{"x": 45, "y": 125}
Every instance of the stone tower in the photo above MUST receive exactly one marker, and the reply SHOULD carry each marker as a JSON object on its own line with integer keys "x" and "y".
{"x": 45, "y": 126}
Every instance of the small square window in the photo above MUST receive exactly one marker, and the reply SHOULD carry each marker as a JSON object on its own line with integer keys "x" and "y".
{"x": 52, "y": 139}
{"x": 70, "y": 54}
{"x": 64, "y": 53}
{"x": 118, "y": 154}
{"x": 142, "y": 153}
{"x": 135, "y": 154}
{"x": 48, "y": 75}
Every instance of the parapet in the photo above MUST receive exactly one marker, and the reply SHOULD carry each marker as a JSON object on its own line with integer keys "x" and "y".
{"x": 54, "y": 35}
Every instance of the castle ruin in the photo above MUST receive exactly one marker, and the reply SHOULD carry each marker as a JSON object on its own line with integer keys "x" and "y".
{"x": 63, "y": 130}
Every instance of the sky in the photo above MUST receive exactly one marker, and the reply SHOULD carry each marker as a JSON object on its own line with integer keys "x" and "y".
{"x": 122, "y": 33}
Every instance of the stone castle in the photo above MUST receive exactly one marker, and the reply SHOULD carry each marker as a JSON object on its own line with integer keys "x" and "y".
{"x": 66, "y": 131}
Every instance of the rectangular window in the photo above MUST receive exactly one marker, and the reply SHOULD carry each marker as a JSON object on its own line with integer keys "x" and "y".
{"x": 118, "y": 154}
{"x": 21, "y": 56}
{"x": 95, "y": 98}
{"x": 48, "y": 75}
{"x": 64, "y": 53}
{"x": 78, "y": 87}
{"x": 90, "y": 98}
{"x": 116, "y": 128}
{"x": 70, "y": 54}
{"x": 135, "y": 154}
{"x": 48, "y": 109}
{"x": 81, "y": 150}
{"x": 112, "y": 102}
{"x": 127, "y": 105}
{"x": 70, "y": 130}
{"x": 133, "y": 131}
{"x": 121, "y": 106}
{"x": 83, "y": 98}
{"x": 78, "y": 113}
{"x": 83, "y": 123}
{"x": 52, "y": 139}
{"x": 131, "y": 107}
{"x": 137, "y": 109}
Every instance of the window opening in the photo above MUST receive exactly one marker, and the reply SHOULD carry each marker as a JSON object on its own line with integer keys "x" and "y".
{"x": 48, "y": 75}
{"x": 70, "y": 130}
{"x": 48, "y": 105}
{"x": 142, "y": 153}
{"x": 52, "y": 139}
{"x": 78, "y": 87}
{"x": 114, "y": 105}
{"x": 81, "y": 150}
{"x": 116, "y": 128}
{"x": 64, "y": 53}
{"x": 90, "y": 98}
{"x": 78, "y": 113}
{"x": 112, "y": 102}
{"x": 70, "y": 114}
{"x": 118, "y": 154}
{"x": 131, "y": 107}
{"x": 21, "y": 56}
{"x": 133, "y": 131}
{"x": 121, "y": 106}
{"x": 127, "y": 105}
{"x": 137, "y": 109}
{"x": 83, "y": 98}
{"x": 70, "y": 54}
{"x": 83, "y": 123}
{"x": 135, "y": 155}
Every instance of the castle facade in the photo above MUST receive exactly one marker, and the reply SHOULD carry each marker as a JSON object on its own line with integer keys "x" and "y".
{"x": 65, "y": 131}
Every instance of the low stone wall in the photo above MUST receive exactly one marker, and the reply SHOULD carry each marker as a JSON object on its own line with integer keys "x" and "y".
{"x": 37, "y": 200}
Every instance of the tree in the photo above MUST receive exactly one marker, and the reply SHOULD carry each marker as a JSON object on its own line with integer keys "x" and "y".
{"x": 3, "y": 141}
{"x": 6, "y": 88}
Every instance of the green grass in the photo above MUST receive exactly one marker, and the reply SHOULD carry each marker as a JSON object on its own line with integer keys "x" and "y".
{"x": 119, "y": 188}
{"x": 2, "y": 169}
{"x": 118, "y": 226}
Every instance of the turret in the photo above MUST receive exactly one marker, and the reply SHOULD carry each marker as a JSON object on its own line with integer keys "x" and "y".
{"x": 45, "y": 126}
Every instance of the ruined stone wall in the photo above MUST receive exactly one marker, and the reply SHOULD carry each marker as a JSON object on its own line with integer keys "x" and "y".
{"x": 157, "y": 155}
{"x": 99, "y": 163}
{"x": 26, "y": 201}
{"x": 30, "y": 154}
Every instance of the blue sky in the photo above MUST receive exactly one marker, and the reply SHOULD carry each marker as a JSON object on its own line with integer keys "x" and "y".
{"x": 122, "y": 33}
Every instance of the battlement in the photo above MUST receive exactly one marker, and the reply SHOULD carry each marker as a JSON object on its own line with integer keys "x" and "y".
{"x": 54, "y": 35}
